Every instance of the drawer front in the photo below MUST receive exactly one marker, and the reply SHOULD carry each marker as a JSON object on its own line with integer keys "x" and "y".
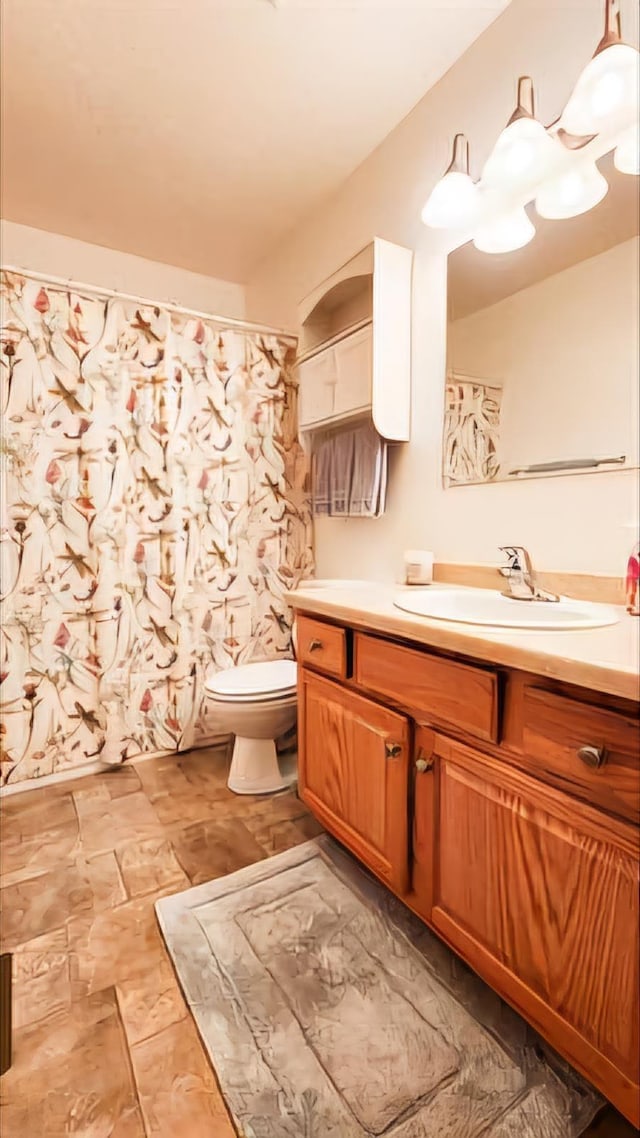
{"x": 322, "y": 646}
{"x": 592, "y": 752}
{"x": 442, "y": 690}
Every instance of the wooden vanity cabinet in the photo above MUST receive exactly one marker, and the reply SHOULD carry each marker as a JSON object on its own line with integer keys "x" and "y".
{"x": 540, "y": 895}
{"x": 519, "y": 853}
{"x": 353, "y": 773}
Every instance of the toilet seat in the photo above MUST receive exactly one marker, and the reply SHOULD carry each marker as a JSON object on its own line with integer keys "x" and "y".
{"x": 250, "y": 683}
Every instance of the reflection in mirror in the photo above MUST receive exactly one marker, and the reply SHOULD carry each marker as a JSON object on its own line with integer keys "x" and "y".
{"x": 542, "y": 348}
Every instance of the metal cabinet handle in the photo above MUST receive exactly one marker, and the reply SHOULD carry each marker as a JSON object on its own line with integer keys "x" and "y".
{"x": 314, "y": 645}
{"x": 424, "y": 763}
{"x": 594, "y": 757}
{"x": 392, "y": 750}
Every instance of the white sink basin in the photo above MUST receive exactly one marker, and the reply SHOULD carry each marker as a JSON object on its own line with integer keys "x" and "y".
{"x": 483, "y": 606}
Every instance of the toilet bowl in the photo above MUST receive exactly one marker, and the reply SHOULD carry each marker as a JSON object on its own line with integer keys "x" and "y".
{"x": 256, "y": 703}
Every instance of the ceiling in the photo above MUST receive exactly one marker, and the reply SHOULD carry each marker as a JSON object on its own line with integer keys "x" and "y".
{"x": 477, "y": 280}
{"x": 198, "y": 132}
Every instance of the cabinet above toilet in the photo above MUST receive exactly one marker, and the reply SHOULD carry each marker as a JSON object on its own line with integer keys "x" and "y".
{"x": 355, "y": 344}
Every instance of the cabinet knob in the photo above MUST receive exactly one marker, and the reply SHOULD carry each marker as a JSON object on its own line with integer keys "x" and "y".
{"x": 423, "y": 764}
{"x": 593, "y": 756}
{"x": 392, "y": 750}
{"x": 314, "y": 645}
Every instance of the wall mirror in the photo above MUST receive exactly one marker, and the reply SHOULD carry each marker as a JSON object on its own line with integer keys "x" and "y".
{"x": 542, "y": 348}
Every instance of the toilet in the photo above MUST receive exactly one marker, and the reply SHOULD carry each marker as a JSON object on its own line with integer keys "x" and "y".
{"x": 256, "y": 703}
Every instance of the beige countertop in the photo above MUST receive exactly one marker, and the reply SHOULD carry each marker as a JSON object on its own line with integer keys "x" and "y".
{"x": 604, "y": 659}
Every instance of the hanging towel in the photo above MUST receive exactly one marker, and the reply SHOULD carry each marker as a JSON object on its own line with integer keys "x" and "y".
{"x": 350, "y": 473}
{"x": 321, "y": 475}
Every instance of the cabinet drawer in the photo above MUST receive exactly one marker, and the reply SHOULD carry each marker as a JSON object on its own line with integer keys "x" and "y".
{"x": 322, "y": 645}
{"x": 566, "y": 736}
{"x": 317, "y": 377}
{"x": 441, "y": 690}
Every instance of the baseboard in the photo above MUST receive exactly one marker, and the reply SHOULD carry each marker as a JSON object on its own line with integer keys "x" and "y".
{"x": 97, "y": 767}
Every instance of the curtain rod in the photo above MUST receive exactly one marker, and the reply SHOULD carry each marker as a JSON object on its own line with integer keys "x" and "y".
{"x": 97, "y": 290}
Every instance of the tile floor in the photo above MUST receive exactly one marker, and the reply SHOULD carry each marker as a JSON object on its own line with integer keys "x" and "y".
{"x": 104, "y": 1046}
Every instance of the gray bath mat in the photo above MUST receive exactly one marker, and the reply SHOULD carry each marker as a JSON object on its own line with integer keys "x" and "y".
{"x": 329, "y": 1011}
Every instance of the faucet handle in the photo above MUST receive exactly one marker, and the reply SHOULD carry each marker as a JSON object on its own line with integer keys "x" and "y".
{"x": 517, "y": 563}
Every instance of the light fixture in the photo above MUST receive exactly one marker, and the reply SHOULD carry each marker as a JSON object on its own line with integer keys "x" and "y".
{"x": 453, "y": 200}
{"x": 510, "y": 231}
{"x": 572, "y": 193}
{"x": 524, "y": 148}
{"x": 626, "y": 156}
{"x": 607, "y": 90}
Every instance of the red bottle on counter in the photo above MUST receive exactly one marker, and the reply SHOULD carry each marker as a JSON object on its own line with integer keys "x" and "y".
{"x": 633, "y": 582}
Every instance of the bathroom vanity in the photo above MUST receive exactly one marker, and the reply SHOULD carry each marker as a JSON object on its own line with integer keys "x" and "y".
{"x": 492, "y": 780}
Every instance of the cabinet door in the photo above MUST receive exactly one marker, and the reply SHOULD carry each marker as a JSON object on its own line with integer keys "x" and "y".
{"x": 540, "y": 893}
{"x": 353, "y": 761}
{"x": 317, "y": 377}
{"x": 354, "y": 366}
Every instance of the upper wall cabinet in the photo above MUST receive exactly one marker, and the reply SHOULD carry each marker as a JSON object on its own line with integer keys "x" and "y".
{"x": 355, "y": 344}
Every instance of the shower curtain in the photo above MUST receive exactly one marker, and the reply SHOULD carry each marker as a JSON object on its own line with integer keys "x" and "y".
{"x": 154, "y": 514}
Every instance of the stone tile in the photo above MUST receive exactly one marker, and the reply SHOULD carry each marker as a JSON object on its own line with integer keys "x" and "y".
{"x": 28, "y": 856}
{"x": 117, "y": 781}
{"x": 214, "y": 848}
{"x": 190, "y": 805}
{"x": 150, "y": 1002}
{"x": 121, "y": 780}
{"x": 116, "y": 945}
{"x": 35, "y": 812}
{"x": 31, "y": 792}
{"x": 42, "y": 903}
{"x": 218, "y": 802}
{"x": 162, "y": 776}
{"x": 207, "y": 768}
{"x": 40, "y": 978}
{"x": 71, "y": 1075}
{"x": 275, "y": 837}
{"x": 176, "y": 1086}
{"x": 278, "y": 808}
{"x": 151, "y": 866}
{"x": 108, "y": 825}
{"x": 60, "y": 1116}
{"x": 106, "y": 882}
{"x": 22, "y": 826}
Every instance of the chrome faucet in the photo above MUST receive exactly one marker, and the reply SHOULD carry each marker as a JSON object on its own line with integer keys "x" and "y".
{"x": 521, "y": 579}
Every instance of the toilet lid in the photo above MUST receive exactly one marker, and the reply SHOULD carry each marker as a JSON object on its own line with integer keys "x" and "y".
{"x": 268, "y": 678}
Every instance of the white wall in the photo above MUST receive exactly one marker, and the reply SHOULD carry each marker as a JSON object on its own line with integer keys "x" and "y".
{"x": 42, "y": 252}
{"x": 564, "y": 394}
{"x": 570, "y": 523}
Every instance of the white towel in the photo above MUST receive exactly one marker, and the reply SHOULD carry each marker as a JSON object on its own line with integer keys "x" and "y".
{"x": 350, "y": 473}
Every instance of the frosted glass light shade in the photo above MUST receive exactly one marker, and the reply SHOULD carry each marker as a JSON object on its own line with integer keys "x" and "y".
{"x": 626, "y": 157}
{"x": 523, "y": 149}
{"x": 572, "y": 193}
{"x": 510, "y": 231}
{"x": 606, "y": 91}
{"x": 452, "y": 202}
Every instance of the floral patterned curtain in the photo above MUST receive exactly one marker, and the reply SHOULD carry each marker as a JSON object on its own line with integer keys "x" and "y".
{"x": 154, "y": 514}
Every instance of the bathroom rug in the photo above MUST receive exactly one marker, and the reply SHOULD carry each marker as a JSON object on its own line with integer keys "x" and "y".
{"x": 329, "y": 1011}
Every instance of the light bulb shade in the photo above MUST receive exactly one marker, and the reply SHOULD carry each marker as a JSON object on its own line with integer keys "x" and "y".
{"x": 572, "y": 193}
{"x": 606, "y": 93}
{"x": 626, "y": 157}
{"x": 452, "y": 203}
{"x": 510, "y": 231}
{"x": 522, "y": 151}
